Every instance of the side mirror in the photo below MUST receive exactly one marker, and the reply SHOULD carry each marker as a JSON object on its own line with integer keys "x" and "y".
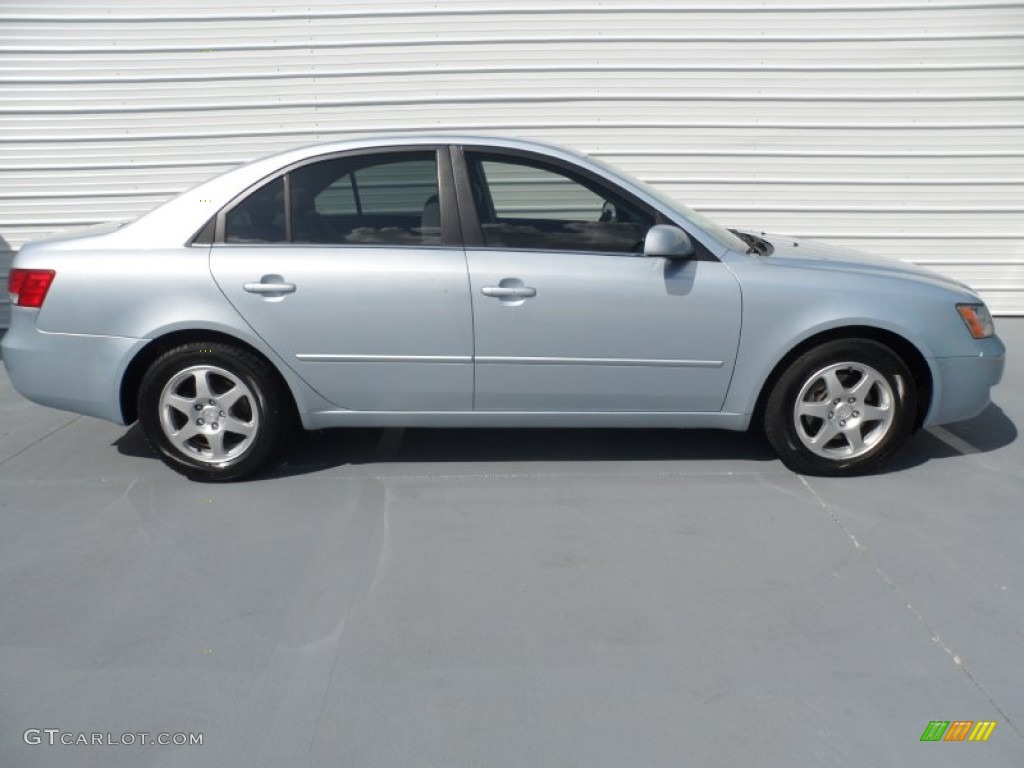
{"x": 668, "y": 242}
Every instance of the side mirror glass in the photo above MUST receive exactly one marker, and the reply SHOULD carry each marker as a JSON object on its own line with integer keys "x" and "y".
{"x": 668, "y": 242}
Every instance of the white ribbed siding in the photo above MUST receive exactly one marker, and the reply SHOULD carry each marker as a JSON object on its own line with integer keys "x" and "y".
{"x": 896, "y": 127}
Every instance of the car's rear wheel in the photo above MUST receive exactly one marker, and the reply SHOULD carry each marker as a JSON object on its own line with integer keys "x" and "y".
{"x": 212, "y": 411}
{"x": 841, "y": 408}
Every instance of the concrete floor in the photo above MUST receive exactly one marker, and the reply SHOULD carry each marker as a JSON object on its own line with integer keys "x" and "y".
{"x": 513, "y": 598}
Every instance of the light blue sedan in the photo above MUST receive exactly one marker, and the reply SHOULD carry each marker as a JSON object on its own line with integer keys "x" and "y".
{"x": 467, "y": 281}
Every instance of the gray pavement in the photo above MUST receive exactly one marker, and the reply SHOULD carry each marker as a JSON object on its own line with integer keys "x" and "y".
{"x": 512, "y": 598}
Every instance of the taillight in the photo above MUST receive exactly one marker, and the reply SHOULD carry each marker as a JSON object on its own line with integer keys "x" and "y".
{"x": 28, "y": 287}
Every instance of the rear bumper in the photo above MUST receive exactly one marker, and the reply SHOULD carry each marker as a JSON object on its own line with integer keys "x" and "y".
{"x": 963, "y": 384}
{"x": 72, "y": 372}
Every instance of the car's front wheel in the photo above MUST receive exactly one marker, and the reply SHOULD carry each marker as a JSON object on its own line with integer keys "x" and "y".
{"x": 841, "y": 408}
{"x": 212, "y": 411}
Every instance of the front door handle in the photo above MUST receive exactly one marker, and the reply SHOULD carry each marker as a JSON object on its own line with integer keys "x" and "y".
{"x": 270, "y": 285}
{"x": 507, "y": 292}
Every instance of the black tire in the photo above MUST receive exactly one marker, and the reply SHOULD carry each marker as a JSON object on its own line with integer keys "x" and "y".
{"x": 841, "y": 408}
{"x": 213, "y": 412}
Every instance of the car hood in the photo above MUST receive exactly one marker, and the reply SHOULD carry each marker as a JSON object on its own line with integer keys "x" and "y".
{"x": 812, "y": 254}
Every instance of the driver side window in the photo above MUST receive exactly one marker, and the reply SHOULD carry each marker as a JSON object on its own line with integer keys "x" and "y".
{"x": 522, "y": 203}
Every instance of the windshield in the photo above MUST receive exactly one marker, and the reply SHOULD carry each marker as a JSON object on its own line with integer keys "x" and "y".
{"x": 716, "y": 230}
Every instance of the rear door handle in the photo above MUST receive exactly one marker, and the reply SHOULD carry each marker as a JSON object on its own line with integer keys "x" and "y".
{"x": 503, "y": 292}
{"x": 264, "y": 288}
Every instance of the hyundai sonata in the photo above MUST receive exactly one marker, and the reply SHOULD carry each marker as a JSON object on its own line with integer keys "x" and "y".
{"x": 461, "y": 281}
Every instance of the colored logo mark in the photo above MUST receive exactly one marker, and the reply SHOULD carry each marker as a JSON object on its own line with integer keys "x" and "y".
{"x": 958, "y": 730}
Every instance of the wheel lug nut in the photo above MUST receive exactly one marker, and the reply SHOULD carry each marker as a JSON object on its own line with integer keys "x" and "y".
{"x": 852, "y": 400}
{"x": 856, "y": 413}
{"x": 222, "y": 413}
{"x": 214, "y": 402}
{"x": 830, "y": 414}
{"x": 215, "y": 425}
{"x": 837, "y": 401}
{"x": 842, "y": 423}
{"x": 200, "y": 422}
{"x": 199, "y": 407}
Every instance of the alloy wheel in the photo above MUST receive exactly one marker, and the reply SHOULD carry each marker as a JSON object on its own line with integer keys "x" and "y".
{"x": 208, "y": 414}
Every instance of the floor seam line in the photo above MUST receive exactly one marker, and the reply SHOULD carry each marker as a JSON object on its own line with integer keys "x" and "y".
{"x": 41, "y": 439}
{"x": 901, "y": 595}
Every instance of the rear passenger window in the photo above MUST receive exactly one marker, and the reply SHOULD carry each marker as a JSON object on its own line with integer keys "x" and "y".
{"x": 386, "y": 199}
{"x": 390, "y": 198}
{"x": 259, "y": 218}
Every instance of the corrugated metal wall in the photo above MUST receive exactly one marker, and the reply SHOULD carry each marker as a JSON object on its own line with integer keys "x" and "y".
{"x": 896, "y": 126}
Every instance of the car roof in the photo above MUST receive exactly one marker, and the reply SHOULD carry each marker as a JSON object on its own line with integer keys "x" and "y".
{"x": 419, "y": 138}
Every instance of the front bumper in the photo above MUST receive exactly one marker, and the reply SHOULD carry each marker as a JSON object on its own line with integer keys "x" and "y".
{"x": 72, "y": 372}
{"x": 962, "y": 384}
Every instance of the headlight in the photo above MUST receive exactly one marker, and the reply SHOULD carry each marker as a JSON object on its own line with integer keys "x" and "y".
{"x": 978, "y": 320}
